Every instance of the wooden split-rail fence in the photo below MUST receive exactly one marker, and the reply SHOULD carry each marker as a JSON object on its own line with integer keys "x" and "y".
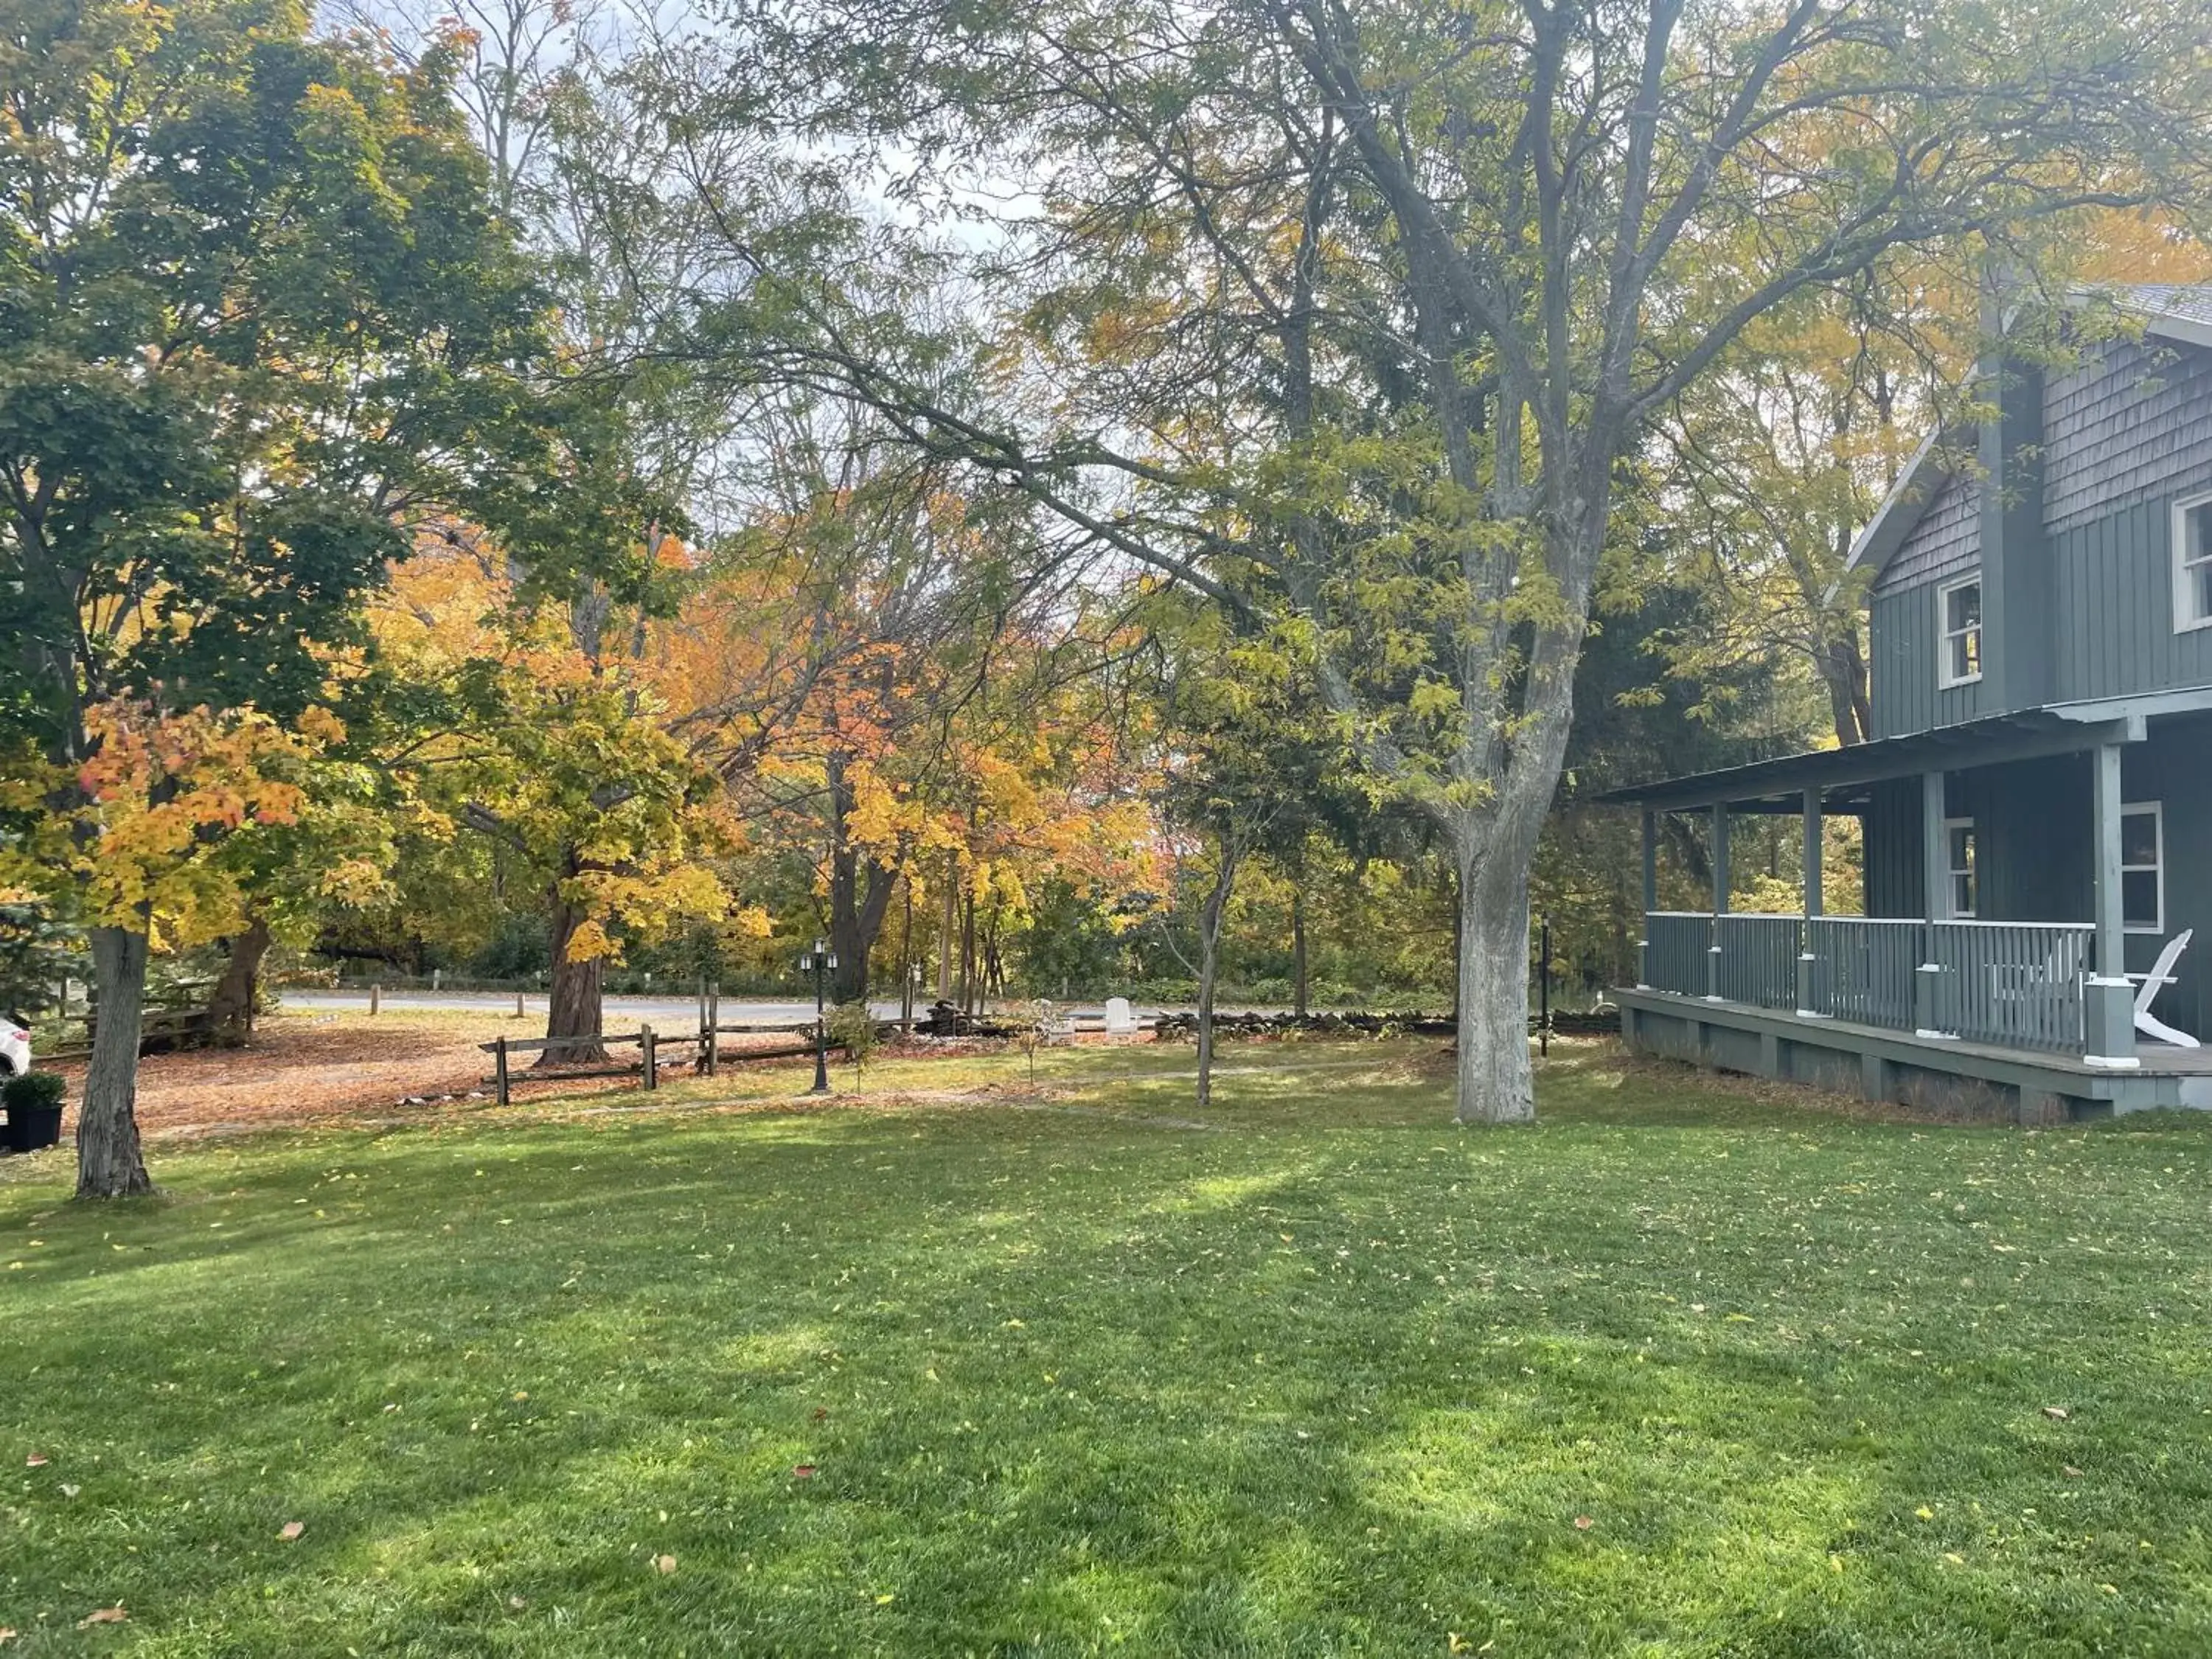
{"x": 702, "y": 1052}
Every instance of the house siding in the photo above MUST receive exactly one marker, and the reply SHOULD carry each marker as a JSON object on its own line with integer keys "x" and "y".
{"x": 2114, "y": 577}
{"x": 2126, "y": 435}
{"x": 1901, "y": 634}
{"x": 2130, "y": 427}
{"x": 1947, "y": 541}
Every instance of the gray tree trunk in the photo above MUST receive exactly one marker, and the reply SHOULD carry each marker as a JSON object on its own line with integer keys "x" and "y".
{"x": 109, "y": 1162}
{"x": 1495, "y": 1083}
{"x": 230, "y": 1008}
{"x": 1209, "y": 967}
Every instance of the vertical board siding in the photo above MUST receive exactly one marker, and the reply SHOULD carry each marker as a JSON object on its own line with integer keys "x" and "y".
{"x": 1902, "y": 633}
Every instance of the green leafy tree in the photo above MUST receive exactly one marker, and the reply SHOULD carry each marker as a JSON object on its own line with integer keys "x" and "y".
{"x": 256, "y": 322}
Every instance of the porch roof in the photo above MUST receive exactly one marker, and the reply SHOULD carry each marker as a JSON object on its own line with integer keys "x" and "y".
{"x": 1842, "y": 775}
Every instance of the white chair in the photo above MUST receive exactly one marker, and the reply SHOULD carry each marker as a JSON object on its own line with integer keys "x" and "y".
{"x": 1121, "y": 1019}
{"x": 2161, "y": 976}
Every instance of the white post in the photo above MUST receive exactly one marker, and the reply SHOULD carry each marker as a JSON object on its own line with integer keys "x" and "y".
{"x": 2108, "y": 1009}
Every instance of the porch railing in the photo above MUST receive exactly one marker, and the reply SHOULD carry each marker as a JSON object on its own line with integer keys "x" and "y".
{"x": 1862, "y": 968}
{"x": 2014, "y": 984}
{"x": 1675, "y": 945}
{"x": 2017, "y": 984}
{"x": 1757, "y": 957}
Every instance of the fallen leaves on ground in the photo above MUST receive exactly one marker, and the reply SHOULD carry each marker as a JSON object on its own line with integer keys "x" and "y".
{"x": 291, "y": 1529}
{"x": 1584, "y": 1523}
{"x": 664, "y": 1564}
{"x": 802, "y": 1472}
{"x": 35, "y": 1461}
{"x": 2057, "y": 1413}
{"x": 114, "y": 1615}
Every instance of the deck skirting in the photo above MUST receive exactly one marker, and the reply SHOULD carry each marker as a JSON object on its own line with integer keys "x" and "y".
{"x": 1941, "y": 1075}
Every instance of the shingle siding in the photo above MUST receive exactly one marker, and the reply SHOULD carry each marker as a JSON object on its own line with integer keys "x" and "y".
{"x": 1947, "y": 541}
{"x": 2132, "y": 425}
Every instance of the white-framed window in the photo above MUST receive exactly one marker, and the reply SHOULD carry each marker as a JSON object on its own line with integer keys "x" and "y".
{"x": 1961, "y": 868}
{"x": 2192, "y": 563}
{"x": 2143, "y": 867}
{"x": 1959, "y": 632}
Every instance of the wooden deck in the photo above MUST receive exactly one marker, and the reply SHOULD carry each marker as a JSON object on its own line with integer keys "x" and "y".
{"x": 1979, "y": 1080}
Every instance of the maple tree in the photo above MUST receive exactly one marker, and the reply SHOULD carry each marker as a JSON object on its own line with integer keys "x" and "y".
{"x": 260, "y": 320}
{"x": 498, "y": 721}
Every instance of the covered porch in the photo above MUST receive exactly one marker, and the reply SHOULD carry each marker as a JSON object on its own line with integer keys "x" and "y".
{"x": 2014, "y": 973}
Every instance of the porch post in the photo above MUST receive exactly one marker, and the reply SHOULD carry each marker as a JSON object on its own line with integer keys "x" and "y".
{"x": 2108, "y": 1013}
{"x": 1650, "y": 897}
{"x": 1805, "y": 990}
{"x": 1720, "y": 900}
{"x": 1935, "y": 904}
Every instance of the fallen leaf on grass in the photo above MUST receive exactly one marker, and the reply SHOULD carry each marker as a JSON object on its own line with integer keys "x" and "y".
{"x": 102, "y": 1616}
{"x": 291, "y": 1529}
{"x": 517, "y": 1603}
{"x": 67, "y": 1491}
{"x": 2056, "y": 1414}
{"x": 35, "y": 1461}
{"x": 802, "y": 1472}
{"x": 664, "y": 1564}
{"x": 6, "y": 1635}
{"x": 2072, "y": 1474}
{"x": 1584, "y": 1523}
{"x": 885, "y": 1600}
{"x": 821, "y": 1413}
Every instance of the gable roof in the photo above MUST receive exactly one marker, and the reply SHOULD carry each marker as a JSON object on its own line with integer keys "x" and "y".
{"x": 2172, "y": 311}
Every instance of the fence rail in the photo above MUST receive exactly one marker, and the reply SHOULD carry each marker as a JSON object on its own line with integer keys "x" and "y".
{"x": 2013, "y": 984}
{"x": 2016, "y": 984}
{"x": 1757, "y": 957}
{"x": 1862, "y": 968}
{"x": 1675, "y": 946}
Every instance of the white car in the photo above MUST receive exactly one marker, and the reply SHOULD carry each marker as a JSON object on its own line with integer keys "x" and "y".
{"x": 14, "y": 1046}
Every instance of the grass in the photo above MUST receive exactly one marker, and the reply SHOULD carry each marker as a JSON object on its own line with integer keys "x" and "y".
{"x": 1327, "y": 1377}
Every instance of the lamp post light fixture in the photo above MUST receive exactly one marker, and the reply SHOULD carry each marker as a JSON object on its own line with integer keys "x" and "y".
{"x": 821, "y": 961}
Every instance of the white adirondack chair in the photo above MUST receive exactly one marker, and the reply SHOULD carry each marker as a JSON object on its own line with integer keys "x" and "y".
{"x": 2160, "y": 975}
{"x": 1121, "y": 1019}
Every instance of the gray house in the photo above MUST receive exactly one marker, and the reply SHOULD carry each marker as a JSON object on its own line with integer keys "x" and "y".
{"x": 2036, "y": 798}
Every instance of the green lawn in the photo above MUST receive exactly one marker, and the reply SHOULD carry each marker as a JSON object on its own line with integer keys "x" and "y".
{"x": 1327, "y": 1375}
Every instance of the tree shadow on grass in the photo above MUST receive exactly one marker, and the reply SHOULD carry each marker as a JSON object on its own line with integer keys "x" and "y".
{"x": 1084, "y": 1386}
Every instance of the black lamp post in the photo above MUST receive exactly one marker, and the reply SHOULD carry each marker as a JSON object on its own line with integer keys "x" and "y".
{"x": 821, "y": 961}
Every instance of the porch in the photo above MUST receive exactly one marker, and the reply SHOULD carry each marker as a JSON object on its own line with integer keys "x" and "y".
{"x": 2024, "y": 864}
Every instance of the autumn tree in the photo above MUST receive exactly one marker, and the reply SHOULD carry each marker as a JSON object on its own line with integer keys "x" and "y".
{"x": 259, "y": 318}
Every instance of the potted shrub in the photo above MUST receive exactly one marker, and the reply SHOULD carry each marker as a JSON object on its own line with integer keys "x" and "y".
{"x": 34, "y": 1109}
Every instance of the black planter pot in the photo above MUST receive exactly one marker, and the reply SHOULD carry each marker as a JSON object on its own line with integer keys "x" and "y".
{"x": 30, "y": 1127}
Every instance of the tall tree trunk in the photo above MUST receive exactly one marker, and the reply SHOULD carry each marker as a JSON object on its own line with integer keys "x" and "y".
{"x": 968, "y": 956}
{"x": 1209, "y": 966}
{"x": 1495, "y": 1082}
{"x": 109, "y": 1164}
{"x": 230, "y": 1009}
{"x": 1299, "y": 983}
{"x": 577, "y": 1005}
{"x": 1844, "y": 673}
{"x": 944, "y": 933}
{"x": 858, "y": 903}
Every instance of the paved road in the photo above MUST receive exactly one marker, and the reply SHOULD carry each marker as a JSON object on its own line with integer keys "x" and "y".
{"x": 665, "y": 1013}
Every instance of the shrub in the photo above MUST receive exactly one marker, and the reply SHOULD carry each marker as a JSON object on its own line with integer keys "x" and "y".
{"x": 33, "y": 1090}
{"x": 853, "y": 1028}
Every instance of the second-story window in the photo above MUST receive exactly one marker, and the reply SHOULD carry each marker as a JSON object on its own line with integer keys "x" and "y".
{"x": 1958, "y": 618}
{"x": 2192, "y": 563}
